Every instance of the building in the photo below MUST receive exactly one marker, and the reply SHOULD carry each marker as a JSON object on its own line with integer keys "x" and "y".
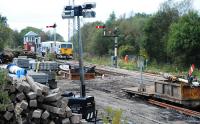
{"x": 32, "y": 42}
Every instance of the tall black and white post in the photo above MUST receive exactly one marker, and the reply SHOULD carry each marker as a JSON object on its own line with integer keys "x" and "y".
{"x": 116, "y": 45}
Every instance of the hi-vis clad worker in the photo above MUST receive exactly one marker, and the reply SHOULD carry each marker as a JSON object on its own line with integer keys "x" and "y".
{"x": 126, "y": 58}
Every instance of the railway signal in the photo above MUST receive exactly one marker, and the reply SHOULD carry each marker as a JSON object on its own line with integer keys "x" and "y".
{"x": 54, "y": 27}
{"x": 83, "y": 104}
{"x": 85, "y": 11}
{"x": 191, "y": 70}
{"x": 111, "y": 33}
{"x": 100, "y": 26}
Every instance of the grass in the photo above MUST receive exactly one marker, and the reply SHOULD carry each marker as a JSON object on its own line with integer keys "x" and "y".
{"x": 98, "y": 60}
{"x": 113, "y": 116}
{"x": 151, "y": 68}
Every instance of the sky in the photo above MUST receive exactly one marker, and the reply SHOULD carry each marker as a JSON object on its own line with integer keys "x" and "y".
{"x": 41, "y": 13}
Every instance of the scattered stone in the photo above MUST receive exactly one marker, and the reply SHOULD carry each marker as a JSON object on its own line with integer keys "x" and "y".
{"x": 37, "y": 113}
{"x": 8, "y": 115}
{"x": 45, "y": 114}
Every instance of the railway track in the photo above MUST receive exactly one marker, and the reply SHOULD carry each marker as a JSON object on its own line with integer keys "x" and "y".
{"x": 148, "y": 77}
{"x": 176, "y": 108}
{"x": 146, "y": 118}
{"x": 107, "y": 72}
{"x": 110, "y": 71}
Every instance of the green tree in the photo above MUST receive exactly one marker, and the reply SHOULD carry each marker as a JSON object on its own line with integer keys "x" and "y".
{"x": 5, "y": 33}
{"x": 132, "y": 31}
{"x": 17, "y": 41}
{"x": 126, "y": 50}
{"x": 111, "y": 20}
{"x": 156, "y": 32}
{"x": 44, "y": 35}
{"x": 3, "y": 20}
{"x": 50, "y": 36}
{"x": 184, "y": 40}
{"x": 27, "y": 29}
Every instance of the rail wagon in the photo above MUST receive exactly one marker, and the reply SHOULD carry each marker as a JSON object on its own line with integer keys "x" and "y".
{"x": 173, "y": 91}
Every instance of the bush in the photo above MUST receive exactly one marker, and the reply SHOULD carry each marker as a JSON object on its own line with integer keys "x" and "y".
{"x": 4, "y": 98}
{"x": 51, "y": 56}
{"x": 126, "y": 50}
{"x": 113, "y": 116}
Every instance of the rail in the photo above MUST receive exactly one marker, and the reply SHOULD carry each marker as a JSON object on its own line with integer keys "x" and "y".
{"x": 176, "y": 108}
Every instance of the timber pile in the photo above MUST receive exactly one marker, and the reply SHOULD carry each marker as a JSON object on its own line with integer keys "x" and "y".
{"x": 35, "y": 103}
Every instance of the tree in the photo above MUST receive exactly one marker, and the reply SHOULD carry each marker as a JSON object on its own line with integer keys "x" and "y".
{"x": 157, "y": 29}
{"x": 184, "y": 40}
{"x": 156, "y": 32}
{"x": 3, "y": 20}
{"x": 5, "y": 32}
{"x": 17, "y": 39}
{"x": 111, "y": 20}
{"x": 50, "y": 36}
{"x": 44, "y": 35}
{"x": 184, "y": 6}
{"x": 27, "y": 29}
{"x": 126, "y": 50}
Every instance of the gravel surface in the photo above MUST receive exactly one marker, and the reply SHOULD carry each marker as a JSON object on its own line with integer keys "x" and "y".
{"x": 107, "y": 92}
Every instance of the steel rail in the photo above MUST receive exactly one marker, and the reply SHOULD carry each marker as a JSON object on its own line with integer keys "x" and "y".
{"x": 176, "y": 108}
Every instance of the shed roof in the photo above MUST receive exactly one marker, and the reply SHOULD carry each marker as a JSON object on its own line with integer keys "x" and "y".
{"x": 31, "y": 33}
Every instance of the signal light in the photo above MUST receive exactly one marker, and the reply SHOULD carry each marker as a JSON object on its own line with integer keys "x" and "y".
{"x": 89, "y": 5}
{"x": 89, "y": 14}
{"x": 68, "y": 14}
{"x": 54, "y": 25}
{"x": 51, "y": 26}
{"x": 67, "y": 8}
{"x": 100, "y": 26}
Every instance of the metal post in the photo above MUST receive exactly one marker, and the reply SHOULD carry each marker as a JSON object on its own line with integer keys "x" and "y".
{"x": 142, "y": 87}
{"x": 82, "y": 94}
{"x": 69, "y": 27}
{"x": 141, "y": 77}
{"x": 74, "y": 27}
{"x": 55, "y": 34}
{"x": 55, "y": 39}
{"x": 116, "y": 45}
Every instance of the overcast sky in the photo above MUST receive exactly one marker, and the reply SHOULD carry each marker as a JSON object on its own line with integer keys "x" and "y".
{"x": 40, "y": 13}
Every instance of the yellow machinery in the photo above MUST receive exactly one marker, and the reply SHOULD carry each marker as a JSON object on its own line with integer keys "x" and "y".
{"x": 66, "y": 50}
{"x": 63, "y": 50}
